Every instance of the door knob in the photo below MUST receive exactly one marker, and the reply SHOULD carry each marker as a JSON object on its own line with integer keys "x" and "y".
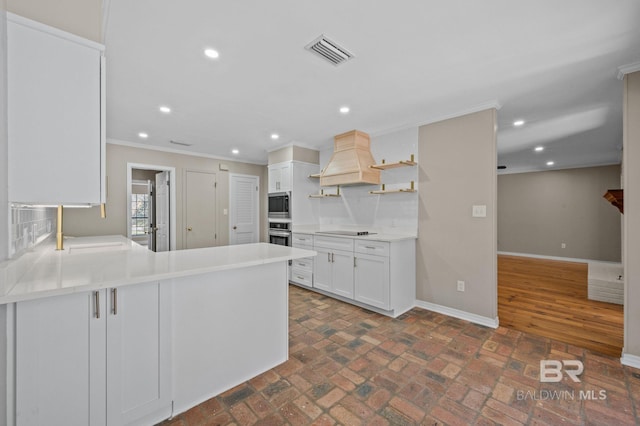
{"x": 189, "y": 229}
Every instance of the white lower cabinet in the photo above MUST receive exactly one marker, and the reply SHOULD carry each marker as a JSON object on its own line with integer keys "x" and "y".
{"x": 376, "y": 274}
{"x": 139, "y": 354}
{"x": 371, "y": 279}
{"x": 302, "y": 269}
{"x": 95, "y": 358}
{"x": 333, "y": 266}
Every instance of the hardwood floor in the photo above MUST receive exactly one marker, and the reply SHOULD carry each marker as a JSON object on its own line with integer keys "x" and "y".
{"x": 549, "y": 298}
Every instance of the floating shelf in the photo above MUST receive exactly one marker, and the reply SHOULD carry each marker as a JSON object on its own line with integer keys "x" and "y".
{"x": 383, "y": 191}
{"x": 401, "y": 163}
{"x": 323, "y": 195}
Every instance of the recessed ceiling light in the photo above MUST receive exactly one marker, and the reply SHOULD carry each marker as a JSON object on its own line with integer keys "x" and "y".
{"x": 518, "y": 123}
{"x": 344, "y": 110}
{"x": 165, "y": 109}
{"x": 550, "y": 163}
{"x": 274, "y": 136}
{"x": 143, "y": 135}
{"x": 235, "y": 151}
{"x": 538, "y": 148}
{"x": 211, "y": 53}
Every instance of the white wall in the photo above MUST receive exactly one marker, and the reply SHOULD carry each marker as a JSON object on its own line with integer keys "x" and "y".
{"x": 358, "y": 207}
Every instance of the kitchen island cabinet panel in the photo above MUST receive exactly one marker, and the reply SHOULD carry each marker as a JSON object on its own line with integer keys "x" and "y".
{"x": 228, "y": 327}
{"x": 60, "y": 360}
{"x": 92, "y": 359}
{"x": 139, "y": 353}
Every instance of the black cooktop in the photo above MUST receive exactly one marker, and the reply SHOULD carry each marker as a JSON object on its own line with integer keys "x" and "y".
{"x": 350, "y": 233}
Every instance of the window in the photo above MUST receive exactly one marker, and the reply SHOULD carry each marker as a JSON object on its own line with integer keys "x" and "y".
{"x": 140, "y": 210}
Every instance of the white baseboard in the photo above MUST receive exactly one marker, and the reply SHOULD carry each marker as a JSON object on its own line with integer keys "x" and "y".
{"x": 542, "y": 256}
{"x": 630, "y": 360}
{"x": 456, "y": 313}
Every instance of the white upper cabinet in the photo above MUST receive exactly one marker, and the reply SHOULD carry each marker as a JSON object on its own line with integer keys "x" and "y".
{"x": 55, "y": 115}
{"x": 280, "y": 177}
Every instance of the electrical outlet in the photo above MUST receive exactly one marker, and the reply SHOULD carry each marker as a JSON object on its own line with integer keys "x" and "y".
{"x": 460, "y": 285}
{"x": 563, "y": 245}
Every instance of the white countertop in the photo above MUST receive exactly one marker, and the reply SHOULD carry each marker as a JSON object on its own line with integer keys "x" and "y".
{"x": 92, "y": 263}
{"x": 377, "y": 234}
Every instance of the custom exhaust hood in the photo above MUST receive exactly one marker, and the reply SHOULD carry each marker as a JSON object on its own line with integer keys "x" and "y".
{"x": 349, "y": 164}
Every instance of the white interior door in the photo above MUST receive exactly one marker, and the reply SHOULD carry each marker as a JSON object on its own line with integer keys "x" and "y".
{"x": 161, "y": 194}
{"x": 200, "y": 209}
{"x": 243, "y": 209}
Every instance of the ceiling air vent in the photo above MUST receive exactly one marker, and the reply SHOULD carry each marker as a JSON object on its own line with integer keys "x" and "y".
{"x": 329, "y": 50}
{"x": 180, "y": 143}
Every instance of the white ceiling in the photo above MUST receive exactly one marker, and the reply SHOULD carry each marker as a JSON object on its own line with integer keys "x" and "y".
{"x": 552, "y": 63}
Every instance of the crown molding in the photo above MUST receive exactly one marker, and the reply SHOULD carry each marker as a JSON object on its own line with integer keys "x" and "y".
{"x": 178, "y": 151}
{"x": 628, "y": 69}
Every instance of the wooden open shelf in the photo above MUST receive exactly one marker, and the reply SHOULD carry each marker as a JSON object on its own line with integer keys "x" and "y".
{"x": 402, "y": 163}
{"x": 323, "y": 195}
{"x": 383, "y": 190}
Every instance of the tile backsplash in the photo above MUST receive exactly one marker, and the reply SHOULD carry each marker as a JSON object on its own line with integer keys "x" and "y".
{"x": 29, "y": 226}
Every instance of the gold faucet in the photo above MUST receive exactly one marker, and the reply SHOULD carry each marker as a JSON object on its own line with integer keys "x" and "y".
{"x": 59, "y": 235}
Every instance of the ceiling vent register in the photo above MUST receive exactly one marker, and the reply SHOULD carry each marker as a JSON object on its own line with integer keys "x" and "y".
{"x": 329, "y": 50}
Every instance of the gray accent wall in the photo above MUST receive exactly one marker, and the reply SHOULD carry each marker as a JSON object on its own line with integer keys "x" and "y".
{"x": 540, "y": 211}
{"x": 631, "y": 250}
{"x": 457, "y": 170}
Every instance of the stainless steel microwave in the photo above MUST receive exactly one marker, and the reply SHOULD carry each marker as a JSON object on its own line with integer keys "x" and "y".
{"x": 280, "y": 205}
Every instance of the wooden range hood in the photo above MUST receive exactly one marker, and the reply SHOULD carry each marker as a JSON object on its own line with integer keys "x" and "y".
{"x": 349, "y": 164}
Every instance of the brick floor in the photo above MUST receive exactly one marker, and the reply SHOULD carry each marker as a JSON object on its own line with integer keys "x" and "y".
{"x": 349, "y": 366}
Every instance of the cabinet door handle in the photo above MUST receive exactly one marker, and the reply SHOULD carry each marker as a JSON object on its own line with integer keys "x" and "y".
{"x": 370, "y": 247}
{"x": 354, "y": 261}
{"x": 328, "y": 257}
{"x": 96, "y": 303}
{"x": 114, "y": 301}
{"x": 300, "y": 278}
{"x": 302, "y": 264}
{"x": 332, "y": 261}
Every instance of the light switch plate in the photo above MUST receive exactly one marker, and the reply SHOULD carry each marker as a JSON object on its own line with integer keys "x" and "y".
{"x": 479, "y": 211}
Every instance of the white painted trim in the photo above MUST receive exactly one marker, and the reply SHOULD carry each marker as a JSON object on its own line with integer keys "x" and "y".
{"x": 38, "y": 26}
{"x": 628, "y": 69}
{"x": 177, "y": 151}
{"x": 172, "y": 198}
{"x": 534, "y": 170}
{"x": 456, "y": 313}
{"x": 630, "y": 360}
{"x": 542, "y": 256}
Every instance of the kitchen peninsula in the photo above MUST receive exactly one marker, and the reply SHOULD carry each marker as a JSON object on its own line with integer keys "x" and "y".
{"x": 107, "y": 332}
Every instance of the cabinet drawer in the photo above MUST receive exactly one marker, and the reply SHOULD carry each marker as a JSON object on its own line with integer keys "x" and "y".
{"x": 379, "y": 248}
{"x": 302, "y": 276}
{"x": 305, "y": 264}
{"x": 333, "y": 243}
{"x": 302, "y": 240}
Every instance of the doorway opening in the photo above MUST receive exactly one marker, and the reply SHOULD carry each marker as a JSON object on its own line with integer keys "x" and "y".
{"x": 151, "y": 208}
